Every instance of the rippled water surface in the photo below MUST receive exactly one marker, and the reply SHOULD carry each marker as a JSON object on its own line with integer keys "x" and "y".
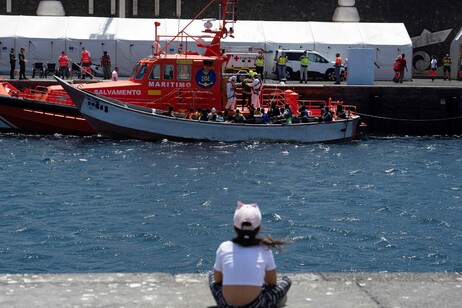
{"x": 71, "y": 204}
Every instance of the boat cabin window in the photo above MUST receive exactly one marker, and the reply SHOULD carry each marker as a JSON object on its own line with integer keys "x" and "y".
{"x": 168, "y": 72}
{"x": 134, "y": 70}
{"x": 142, "y": 71}
{"x": 155, "y": 72}
{"x": 184, "y": 72}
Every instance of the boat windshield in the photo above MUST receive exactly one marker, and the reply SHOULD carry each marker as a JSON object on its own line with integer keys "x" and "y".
{"x": 142, "y": 71}
{"x": 134, "y": 70}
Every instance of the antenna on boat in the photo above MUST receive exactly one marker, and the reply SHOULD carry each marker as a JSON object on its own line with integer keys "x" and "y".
{"x": 156, "y": 38}
{"x": 228, "y": 15}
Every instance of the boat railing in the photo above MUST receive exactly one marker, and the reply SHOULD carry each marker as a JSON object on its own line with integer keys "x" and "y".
{"x": 272, "y": 95}
{"x": 314, "y": 106}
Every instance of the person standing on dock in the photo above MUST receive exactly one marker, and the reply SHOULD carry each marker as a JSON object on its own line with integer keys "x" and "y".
{"x": 337, "y": 66}
{"x": 396, "y": 66}
{"x": 63, "y": 61}
{"x": 447, "y": 61}
{"x": 12, "y": 62}
{"x": 304, "y": 67}
{"x": 106, "y": 64}
{"x": 22, "y": 64}
{"x": 260, "y": 64}
{"x": 85, "y": 62}
{"x": 402, "y": 65}
{"x": 433, "y": 67}
{"x": 282, "y": 66}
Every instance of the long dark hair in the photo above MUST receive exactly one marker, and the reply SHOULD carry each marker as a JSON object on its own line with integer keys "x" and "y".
{"x": 248, "y": 238}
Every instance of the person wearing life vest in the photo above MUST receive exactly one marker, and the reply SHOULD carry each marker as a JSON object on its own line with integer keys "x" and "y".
{"x": 63, "y": 65}
{"x": 260, "y": 64}
{"x": 255, "y": 85}
{"x": 337, "y": 66}
{"x": 304, "y": 67}
{"x": 85, "y": 62}
{"x": 282, "y": 66}
{"x": 396, "y": 66}
{"x": 402, "y": 65}
{"x": 447, "y": 67}
{"x": 246, "y": 91}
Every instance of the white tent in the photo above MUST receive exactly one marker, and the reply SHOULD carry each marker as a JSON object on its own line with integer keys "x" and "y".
{"x": 456, "y": 55}
{"x": 389, "y": 41}
{"x": 128, "y": 40}
{"x": 96, "y": 34}
{"x": 8, "y": 25}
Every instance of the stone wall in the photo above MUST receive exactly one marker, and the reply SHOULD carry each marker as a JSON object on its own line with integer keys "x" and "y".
{"x": 416, "y": 14}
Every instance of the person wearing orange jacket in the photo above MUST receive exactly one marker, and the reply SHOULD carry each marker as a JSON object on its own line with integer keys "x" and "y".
{"x": 85, "y": 62}
{"x": 337, "y": 66}
{"x": 63, "y": 65}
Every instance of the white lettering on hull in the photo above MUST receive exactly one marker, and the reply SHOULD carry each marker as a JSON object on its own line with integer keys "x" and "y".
{"x": 116, "y": 92}
{"x": 169, "y": 84}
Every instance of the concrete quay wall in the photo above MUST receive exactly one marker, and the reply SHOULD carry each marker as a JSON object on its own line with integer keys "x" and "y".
{"x": 191, "y": 290}
{"x": 413, "y": 108}
{"x": 417, "y": 107}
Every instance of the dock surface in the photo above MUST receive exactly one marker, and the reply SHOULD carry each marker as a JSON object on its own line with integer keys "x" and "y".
{"x": 191, "y": 290}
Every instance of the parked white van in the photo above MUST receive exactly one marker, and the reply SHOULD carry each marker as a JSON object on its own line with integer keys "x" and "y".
{"x": 318, "y": 67}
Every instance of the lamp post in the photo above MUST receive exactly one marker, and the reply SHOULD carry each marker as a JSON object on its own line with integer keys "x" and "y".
{"x": 346, "y": 11}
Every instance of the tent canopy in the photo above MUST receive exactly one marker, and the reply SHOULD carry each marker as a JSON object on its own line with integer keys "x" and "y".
{"x": 128, "y": 40}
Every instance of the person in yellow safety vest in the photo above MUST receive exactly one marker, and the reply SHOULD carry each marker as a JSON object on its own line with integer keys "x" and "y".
{"x": 282, "y": 65}
{"x": 260, "y": 64}
{"x": 338, "y": 65}
{"x": 447, "y": 67}
{"x": 304, "y": 67}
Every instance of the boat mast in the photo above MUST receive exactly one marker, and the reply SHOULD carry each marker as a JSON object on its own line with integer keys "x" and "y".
{"x": 228, "y": 16}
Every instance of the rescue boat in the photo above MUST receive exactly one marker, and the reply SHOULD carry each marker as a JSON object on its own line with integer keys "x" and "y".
{"x": 183, "y": 80}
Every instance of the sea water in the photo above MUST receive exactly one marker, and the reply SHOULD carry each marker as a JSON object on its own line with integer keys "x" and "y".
{"x": 79, "y": 205}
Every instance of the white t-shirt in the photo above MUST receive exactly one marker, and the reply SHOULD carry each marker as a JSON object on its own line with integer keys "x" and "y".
{"x": 115, "y": 75}
{"x": 434, "y": 63}
{"x": 243, "y": 265}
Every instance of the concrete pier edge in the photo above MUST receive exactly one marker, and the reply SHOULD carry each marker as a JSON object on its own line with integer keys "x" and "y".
{"x": 366, "y": 289}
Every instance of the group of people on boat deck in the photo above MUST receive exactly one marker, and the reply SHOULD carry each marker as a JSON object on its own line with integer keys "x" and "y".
{"x": 274, "y": 115}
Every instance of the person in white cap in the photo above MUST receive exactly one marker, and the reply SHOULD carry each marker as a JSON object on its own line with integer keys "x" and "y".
{"x": 244, "y": 271}
{"x": 212, "y": 116}
{"x": 231, "y": 93}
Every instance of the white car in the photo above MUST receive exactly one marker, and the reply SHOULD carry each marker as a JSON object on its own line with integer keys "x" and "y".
{"x": 318, "y": 67}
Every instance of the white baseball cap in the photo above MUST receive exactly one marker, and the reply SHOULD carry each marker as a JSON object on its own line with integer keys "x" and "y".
{"x": 249, "y": 213}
